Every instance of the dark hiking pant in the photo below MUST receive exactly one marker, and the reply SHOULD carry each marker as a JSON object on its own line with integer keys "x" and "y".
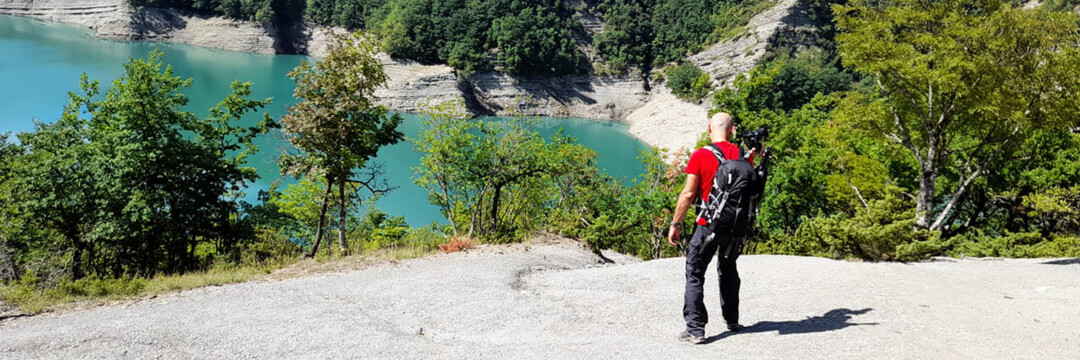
{"x": 703, "y": 246}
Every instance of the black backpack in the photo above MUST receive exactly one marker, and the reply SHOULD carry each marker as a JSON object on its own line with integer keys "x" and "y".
{"x": 728, "y": 207}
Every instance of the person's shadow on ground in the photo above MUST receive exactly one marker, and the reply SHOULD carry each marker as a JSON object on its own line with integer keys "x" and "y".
{"x": 833, "y": 320}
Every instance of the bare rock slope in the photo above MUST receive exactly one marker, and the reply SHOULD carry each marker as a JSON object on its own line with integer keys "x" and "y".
{"x": 554, "y": 300}
{"x": 668, "y": 122}
{"x": 786, "y": 24}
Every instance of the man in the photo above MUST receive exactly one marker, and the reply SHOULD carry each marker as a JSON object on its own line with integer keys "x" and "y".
{"x": 727, "y": 239}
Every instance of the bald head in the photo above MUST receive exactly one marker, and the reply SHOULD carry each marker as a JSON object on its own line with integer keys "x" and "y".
{"x": 721, "y": 127}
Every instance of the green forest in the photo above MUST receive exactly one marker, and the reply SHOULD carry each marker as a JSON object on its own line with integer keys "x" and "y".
{"x": 540, "y": 37}
{"x": 916, "y": 129}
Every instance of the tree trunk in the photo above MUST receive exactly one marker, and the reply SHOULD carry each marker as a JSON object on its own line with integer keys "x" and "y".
{"x": 476, "y": 218}
{"x": 76, "y": 258}
{"x": 322, "y": 218}
{"x": 191, "y": 253}
{"x": 975, "y": 214}
{"x": 342, "y": 246}
{"x": 495, "y": 208}
{"x": 448, "y": 206}
{"x": 924, "y": 204}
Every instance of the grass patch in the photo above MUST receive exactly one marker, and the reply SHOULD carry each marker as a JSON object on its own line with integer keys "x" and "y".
{"x": 31, "y": 299}
{"x": 325, "y": 264}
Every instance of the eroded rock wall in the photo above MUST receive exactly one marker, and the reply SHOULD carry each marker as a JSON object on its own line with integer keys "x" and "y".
{"x": 114, "y": 19}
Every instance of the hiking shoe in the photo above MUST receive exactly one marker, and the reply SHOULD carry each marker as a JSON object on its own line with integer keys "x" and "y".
{"x": 690, "y": 338}
{"x": 735, "y": 327}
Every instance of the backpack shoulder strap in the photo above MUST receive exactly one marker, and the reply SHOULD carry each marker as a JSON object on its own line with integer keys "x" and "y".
{"x": 716, "y": 152}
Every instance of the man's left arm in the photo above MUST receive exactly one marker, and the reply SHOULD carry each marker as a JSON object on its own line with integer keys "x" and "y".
{"x": 682, "y": 205}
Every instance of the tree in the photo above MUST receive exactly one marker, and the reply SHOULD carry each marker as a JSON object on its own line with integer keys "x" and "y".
{"x": 783, "y": 83}
{"x": 493, "y": 178}
{"x": 10, "y": 221}
{"x": 626, "y": 41}
{"x": 536, "y": 41}
{"x": 337, "y": 127}
{"x": 960, "y": 84}
{"x": 131, "y": 183}
{"x": 688, "y": 82}
{"x": 445, "y": 144}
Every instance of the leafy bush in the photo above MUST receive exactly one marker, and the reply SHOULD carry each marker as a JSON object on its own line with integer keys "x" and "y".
{"x": 378, "y": 230}
{"x": 688, "y": 82}
{"x": 628, "y": 218}
{"x": 873, "y": 235}
{"x": 129, "y": 183}
{"x": 270, "y": 246}
{"x": 784, "y": 84}
{"x": 426, "y": 238}
{"x": 495, "y": 181}
{"x": 1015, "y": 245}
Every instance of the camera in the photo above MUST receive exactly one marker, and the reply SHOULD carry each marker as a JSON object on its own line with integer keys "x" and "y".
{"x": 753, "y": 139}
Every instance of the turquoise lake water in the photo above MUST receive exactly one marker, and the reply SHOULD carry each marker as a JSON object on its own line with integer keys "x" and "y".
{"x": 41, "y": 62}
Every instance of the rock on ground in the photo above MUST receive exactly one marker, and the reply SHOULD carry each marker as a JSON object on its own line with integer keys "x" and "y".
{"x": 555, "y": 300}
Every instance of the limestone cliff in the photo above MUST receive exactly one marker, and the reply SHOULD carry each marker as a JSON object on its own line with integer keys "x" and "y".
{"x": 114, "y": 19}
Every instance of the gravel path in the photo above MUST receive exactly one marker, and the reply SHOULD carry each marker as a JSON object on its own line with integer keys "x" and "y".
{"x": 554, "y": 301}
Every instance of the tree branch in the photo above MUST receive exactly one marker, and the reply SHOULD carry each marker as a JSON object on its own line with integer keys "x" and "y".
{"x": 859, "y": 194}
{"x": 905, "y": 135}
{"x": 965, "y": 182}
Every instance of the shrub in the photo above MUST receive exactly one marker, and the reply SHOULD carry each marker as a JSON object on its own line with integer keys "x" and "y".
{"x": 270, "y": 245}
{"x": 94, "y": 287}
{"x": 688, "y": 82}
{"x": 427, "y": 237}
{"x": 885, "y": 232}
{"x": 1015, "y": 245}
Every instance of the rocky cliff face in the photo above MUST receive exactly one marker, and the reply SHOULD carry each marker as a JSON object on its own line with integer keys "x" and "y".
{"x": 655, "y": 116}
{"x": 668, "y": 122}
{"x": 608, "y": 98}
{"x": 114, "y": 19}
{"x": 784, "y": 25}
{"x": 411, "y": 86}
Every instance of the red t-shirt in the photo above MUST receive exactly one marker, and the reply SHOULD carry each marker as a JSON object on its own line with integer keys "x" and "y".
{"x": 703, "y": 164}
